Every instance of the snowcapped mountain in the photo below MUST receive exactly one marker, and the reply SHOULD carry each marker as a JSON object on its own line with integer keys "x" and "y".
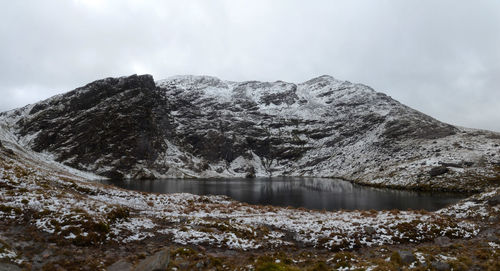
{"x": 201, "y": 126}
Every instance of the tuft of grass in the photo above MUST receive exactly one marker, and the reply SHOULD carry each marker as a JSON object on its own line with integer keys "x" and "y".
{"x": 320, "y": 266}
{"x": 21, "y": 172}
{"x": 118, "y": 213}
{"x": 183, "y": 251}
{"x": 343, "y": 260}
{"x": 461, "y": 264}
{"x": 10, "y": 209}
{"x": 396, "y": 258}
{"x": 268, "y": 263}
{"x": 273, "y": 266}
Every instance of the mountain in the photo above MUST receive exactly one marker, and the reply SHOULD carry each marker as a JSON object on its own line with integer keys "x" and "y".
{"x": 201, "y": 126}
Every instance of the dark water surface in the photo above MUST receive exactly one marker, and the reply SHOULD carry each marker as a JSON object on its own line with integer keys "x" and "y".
{"x": 311, "y": 193}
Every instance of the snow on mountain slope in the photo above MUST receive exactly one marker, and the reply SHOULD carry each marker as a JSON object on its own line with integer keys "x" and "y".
{"x": 13, "y": 146}
{"x": 201, "y": 126}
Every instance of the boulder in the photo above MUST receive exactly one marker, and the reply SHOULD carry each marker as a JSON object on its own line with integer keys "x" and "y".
{"x": 440, "y": 266}
{"x": 495, "y": 200}
{"x": 442, "y": 241}
{"x": 492, "y": 237}
{"x": 436, "y": 171}
{"x": 144, "y": 174}
{"x": 250, "y": 172}
{"x": 120, "y": 265}
{"x": 158, "y": 261}
{"x": 9, "y": 267}
{"x": 493, "y": 219}
{"x": 369, "y": 230}
{"x": 407, "y": 257}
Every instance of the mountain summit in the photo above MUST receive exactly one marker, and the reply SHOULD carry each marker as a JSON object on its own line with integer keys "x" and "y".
{"x": 201, "y": 126}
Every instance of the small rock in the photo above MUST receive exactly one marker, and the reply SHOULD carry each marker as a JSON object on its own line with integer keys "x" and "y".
{"x": 46, "y": 253}
{"x": 21, "y": 245}
{"x": 440, "y": 266}
{"x": 436, "y": 171}
{"x": 200, "y": 265}
{"x": 495, "y": 200}
{"x": 120, "y": 265}
{"x": 201, "y": 248}
{"x": 144, "y": 174}
{"x": 493, "y": 219}
{"x": 442, "y": 241}
{"x": 467, "y": 164}
{"x": 369, "y": 230}
{"x": 183, "y": 265}
{"x": 159, "y": 261}
{"x": 110, "y": 254}
{"x": 9, "y": 267}
{"x": 250, "y": 172}
{"x": 407, "y": 257}
{"x": 492, "y": 238}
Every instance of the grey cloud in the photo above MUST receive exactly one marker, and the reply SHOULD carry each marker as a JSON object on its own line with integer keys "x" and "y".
{"x": 440, "y": 57}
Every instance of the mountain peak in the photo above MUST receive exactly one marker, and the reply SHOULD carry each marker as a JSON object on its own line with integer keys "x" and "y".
{"x": 123, "y": 82}
{"x": 322, "y": 78}
{"x": 190, "y": 81}
{"x": 202, "y": 126}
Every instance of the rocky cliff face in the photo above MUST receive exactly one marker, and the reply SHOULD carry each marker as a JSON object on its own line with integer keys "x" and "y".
{"x": 108, "y": 126}
{"x": 199, "y": 126}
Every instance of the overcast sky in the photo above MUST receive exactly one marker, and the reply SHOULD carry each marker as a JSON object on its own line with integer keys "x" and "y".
{"x": 440, "y": 57}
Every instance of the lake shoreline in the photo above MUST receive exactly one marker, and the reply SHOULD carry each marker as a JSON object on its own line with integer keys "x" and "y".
{"x": 307, "y": 192}
{"x": 213, "y": 231}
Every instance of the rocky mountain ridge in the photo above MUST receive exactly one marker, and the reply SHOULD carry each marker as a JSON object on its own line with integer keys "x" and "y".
{"x": 201, "y": 126}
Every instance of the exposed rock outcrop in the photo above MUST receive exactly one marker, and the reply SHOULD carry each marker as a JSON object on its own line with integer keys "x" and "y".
{"x": 200, "y": 126}
{"x": 108, "y": 126}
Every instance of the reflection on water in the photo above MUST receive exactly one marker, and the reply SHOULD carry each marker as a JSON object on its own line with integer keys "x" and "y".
{"x": 311, "y": 193}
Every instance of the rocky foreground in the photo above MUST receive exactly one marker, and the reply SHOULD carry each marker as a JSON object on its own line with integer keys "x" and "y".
{"x": 55, "y": 219}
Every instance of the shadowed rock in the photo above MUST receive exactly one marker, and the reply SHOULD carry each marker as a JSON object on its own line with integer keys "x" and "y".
{"x": 120, "y": 265}
{"x": 114, "y": 122}
{"x": 436, "y": 171}
{"x": 159, "y": 261}
{"x": 407, "y": 257}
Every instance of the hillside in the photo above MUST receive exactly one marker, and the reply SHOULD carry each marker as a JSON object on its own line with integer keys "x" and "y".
{"x": 200, "y": 126}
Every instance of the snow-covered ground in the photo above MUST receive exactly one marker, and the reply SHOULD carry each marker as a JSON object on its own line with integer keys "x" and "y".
{"x": 90, "y": 212}
{"x": 75, "y": 210}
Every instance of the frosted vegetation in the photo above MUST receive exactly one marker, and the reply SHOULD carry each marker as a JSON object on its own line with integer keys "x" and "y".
{"x": 67, "y": 209}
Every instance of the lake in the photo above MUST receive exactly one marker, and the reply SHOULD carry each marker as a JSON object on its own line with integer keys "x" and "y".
{"x": 310, "y": 193}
